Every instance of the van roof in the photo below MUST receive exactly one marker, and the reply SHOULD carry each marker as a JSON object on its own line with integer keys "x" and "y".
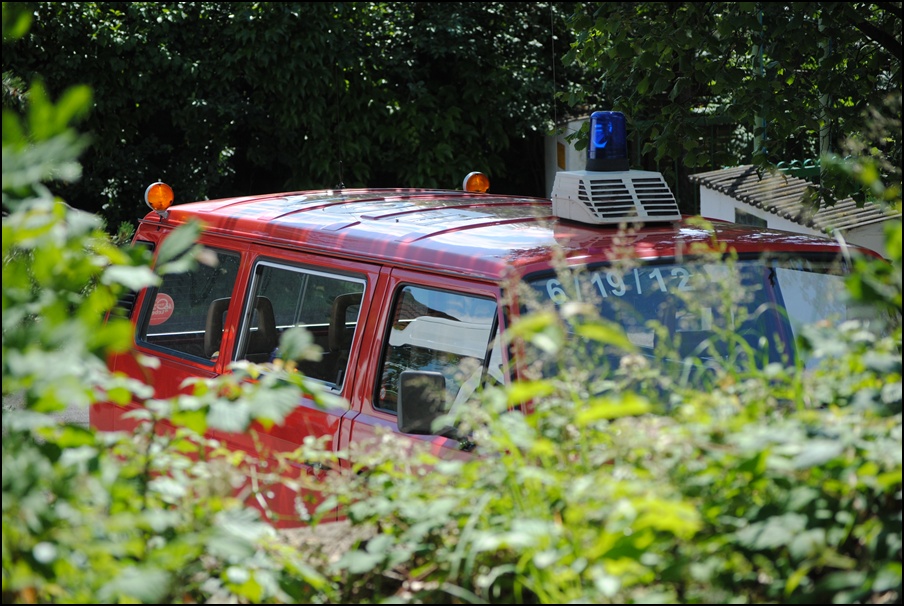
{"x": 455, "y": 232}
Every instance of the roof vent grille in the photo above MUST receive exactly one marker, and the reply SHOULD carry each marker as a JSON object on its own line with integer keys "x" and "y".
{"x": 613, "y": 197}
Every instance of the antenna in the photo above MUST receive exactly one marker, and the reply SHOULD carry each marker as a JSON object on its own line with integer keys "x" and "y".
{"x": 552, "y": 46}
{"x": 337, "y": 120}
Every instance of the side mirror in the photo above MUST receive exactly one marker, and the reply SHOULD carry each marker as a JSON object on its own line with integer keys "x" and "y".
{"x": 422, "y": 398}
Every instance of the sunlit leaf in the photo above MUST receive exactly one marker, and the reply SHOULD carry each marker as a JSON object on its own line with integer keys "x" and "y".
{"x": 776, "y": 531}
{"x": 523, "y": 391}
{"x": 606, "y": 333}
{"x": 133, "y": 278}
{"x": 629, "y": 404}
{"x": 176, "y": 244}
{"x": 146, "y": 584}
{"x": 817, "y": 453}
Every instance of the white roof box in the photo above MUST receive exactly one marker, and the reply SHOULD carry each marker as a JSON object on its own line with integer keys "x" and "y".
{"x": 601, "y": 197}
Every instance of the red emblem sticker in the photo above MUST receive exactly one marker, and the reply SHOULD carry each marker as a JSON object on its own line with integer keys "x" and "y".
{"x": 163, "y": 309}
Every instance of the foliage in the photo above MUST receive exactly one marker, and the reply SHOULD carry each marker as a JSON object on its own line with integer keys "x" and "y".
{"x": 795, "y": 79}
{"x": 241, "y": 98}
{"x": 230, "y": 98}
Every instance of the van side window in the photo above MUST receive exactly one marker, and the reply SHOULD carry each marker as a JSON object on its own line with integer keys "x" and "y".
{"x": 175, "y": 317}
{"x": 443, "y": 331}
{"x": 326, "y": 305}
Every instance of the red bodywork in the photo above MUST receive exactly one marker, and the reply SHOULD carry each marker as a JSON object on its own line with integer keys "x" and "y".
{"x": 447, "y": 239}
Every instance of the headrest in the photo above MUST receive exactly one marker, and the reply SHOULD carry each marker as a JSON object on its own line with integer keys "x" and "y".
{"x": 338, "y": 332}
{"x": 266, "y": 337}
{"x": 213, "y": 328}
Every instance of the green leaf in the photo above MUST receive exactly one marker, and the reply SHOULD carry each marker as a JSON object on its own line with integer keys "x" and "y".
{"x": 234, "y": 417}
{"x": 169, "y": 489}
{"x": 176, "y": 244}
{"x": 524, "y": 391}
{"x": 776, "y": 531}
{"x": 676, "y": 517}
{"x": 145, "y": 584}
{"x": 630, "y": 404}
{"x": 273, "y": 405}
{"x": 808, "y": 544}
{"x": 75, "y": 103}
{"x": 297, "y": 343}
{"x": 817, "y": 453}
{"x": 888, "y": 578}
{"x": 837, "y": 581}
{"x": 533, "y": 323}
{"x": 606, "y": 333}
{"x": 360, "y": 562}
{"x": 229, "y": 547}
{"x": 12, "y": 135}
{"x": 75, "y": 436}
{"x": 195, "y": 420}
{"x": 795, "y": 579}
{"x": 16, "y": 21}
{"x": 133, "y": 278}
{"x": 242, "y": 582}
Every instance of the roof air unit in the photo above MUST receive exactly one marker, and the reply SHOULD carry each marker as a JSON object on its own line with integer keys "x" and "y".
{"x": 607, "y": 192}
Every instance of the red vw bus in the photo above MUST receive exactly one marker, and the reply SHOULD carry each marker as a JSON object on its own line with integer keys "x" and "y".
{"x": 409, "y": 292}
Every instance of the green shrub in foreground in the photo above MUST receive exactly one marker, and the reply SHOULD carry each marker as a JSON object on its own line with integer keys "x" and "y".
{"x": 723, "y": 499}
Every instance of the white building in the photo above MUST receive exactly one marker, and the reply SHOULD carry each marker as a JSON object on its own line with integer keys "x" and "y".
{"x": 776, "y": 200}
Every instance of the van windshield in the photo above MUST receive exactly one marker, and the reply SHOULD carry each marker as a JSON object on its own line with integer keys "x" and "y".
{"x": 708, "y": 308}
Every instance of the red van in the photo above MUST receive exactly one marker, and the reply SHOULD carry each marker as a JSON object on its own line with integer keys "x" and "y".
{"x": 409, "y": 292}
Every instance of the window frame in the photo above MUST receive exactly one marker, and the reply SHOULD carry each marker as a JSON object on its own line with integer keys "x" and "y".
{"x": 493, "y": 346}
{"x": 149, "y": 302}
{"x": 308, "y": 270}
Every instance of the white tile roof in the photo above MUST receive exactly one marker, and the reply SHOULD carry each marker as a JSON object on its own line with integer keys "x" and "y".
{"x": 786, "y": 196}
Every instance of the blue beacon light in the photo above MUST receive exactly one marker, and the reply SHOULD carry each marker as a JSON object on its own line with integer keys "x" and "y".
{"x": 608, "y": 149}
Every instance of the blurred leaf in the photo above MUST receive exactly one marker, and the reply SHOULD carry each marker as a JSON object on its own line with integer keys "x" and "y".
{"x": 597, "y": 409}
{"x": 360, "y": 562}
{"x": 234, "y": 417}
{"x": 606, "y": 333}
{"x": 297, "y": 343}
{"x": 817, "y": 453}
{"x": 524, "y": 391}
{"x": 147, "y": 585}
{"x": 776, "y": 531}
{"x": 16, "y": 20}
{"x": 195, "y": 420}
{"x": 888, "y": 578}
{"x": 175, "y": 246}
{"x": 133, "y": 278}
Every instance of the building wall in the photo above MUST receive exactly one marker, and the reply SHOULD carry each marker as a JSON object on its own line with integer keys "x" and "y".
{"x": 717, "y": 205}
{"x": 561, "y": 155}
{"x": 869, "y": 236}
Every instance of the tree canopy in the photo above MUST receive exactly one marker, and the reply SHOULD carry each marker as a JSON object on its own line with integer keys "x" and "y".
{"x": 232, "y": 98}
{"x": 226, "y": 98}
{"x": 784, "y": 80}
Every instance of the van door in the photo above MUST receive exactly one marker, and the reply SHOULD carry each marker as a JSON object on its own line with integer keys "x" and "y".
{"x": 324, "y": 297}
{"x": 428, "y": 323}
